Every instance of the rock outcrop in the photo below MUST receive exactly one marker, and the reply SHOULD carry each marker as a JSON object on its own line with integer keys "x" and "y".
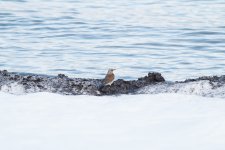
{"x": 153, "y": 83}
{"x": 125, "y": 87}
{"x": 29, "y": 83}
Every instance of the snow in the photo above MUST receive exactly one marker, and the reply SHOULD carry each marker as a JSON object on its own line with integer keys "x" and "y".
{"x": 129, "y": 122}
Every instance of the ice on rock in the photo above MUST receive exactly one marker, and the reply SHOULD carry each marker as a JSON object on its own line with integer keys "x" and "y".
{"x": 13, "y": 88}
{"x": 201, "y": 88}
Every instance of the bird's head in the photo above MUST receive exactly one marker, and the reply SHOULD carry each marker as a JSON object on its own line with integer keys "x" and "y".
{"x": 111, "y": 70}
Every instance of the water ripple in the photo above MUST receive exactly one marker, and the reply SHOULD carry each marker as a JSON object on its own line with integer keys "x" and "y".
{"x": 85, "y": 39}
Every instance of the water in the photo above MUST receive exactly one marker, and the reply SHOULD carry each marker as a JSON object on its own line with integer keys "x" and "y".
{"x": 179, "y": 38}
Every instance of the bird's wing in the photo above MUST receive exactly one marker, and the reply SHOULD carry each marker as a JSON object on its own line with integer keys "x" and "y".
{"x": 108, "y": 78}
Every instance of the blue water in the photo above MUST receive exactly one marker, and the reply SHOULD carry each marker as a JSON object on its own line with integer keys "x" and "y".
{"x": 83, "y": 38}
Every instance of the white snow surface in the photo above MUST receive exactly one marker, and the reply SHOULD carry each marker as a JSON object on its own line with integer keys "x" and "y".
{"x": 45, "y": 121}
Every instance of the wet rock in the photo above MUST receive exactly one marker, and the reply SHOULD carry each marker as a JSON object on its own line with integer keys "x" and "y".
{"x": 4, "y": 72}
{"x": 124, "y": 87}
{"x": 152, "y": 83}
{"x": 62, "y": 76}
{"x": 74, "y": 86}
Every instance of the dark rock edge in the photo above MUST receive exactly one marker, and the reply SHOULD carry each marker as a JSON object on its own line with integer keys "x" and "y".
{"x": 62, "y": 84}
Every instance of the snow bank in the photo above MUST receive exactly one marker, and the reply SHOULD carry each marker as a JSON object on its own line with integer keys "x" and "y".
{"x": 131, "y": 122}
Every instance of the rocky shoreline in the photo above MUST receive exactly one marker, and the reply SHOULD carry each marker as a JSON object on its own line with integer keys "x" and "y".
{"x": 62, "y": 84}
{"x": 152, "y": 83}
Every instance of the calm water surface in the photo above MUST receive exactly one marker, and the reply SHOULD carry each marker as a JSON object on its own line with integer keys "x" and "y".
{"x": 83, "y": 38}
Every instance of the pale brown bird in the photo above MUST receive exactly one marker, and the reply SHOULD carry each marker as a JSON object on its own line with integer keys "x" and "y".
{"x": 109, "y": 77}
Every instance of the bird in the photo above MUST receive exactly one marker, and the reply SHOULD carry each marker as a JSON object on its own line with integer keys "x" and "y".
{"x": 109, "y": 77}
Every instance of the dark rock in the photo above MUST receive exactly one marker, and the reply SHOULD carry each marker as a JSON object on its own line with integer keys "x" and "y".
{"x": 124, "y": 87}
{"x": 73, "y": 86}
{"x": 4, "y": 72}
{"x": 62, "y": 84}
{"x": 62, "y": 76}
{"x": 209, "y": 78}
